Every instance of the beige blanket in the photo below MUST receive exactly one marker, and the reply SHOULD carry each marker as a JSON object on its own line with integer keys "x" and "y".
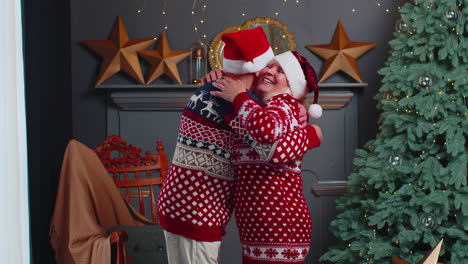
{"x": 88, "y": 203}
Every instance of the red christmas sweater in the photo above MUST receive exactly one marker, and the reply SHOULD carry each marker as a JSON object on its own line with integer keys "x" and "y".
{"x": 196, "y": 198}
{"x": 271, "y": 212}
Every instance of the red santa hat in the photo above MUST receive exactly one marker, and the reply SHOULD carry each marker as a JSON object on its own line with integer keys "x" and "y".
{"x": 302, "y": 79}
{"x": 246, "y": 51}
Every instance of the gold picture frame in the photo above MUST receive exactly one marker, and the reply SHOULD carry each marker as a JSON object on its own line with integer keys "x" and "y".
{"x": 278, "y": 35}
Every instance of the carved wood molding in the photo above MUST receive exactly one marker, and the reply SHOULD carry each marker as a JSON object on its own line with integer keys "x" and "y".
{"x": 329, "y": 188}
{"x": 175, "y": 97}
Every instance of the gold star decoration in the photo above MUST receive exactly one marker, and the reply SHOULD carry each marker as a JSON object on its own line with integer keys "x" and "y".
{"x": 119, "y": 53}
{"x": 341, "y": 54}
{"x": 430, "y": 258}
{"x": 163, "y": 60}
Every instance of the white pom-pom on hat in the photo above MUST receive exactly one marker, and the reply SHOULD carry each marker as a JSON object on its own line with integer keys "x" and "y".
{"x": 315, "y": 111}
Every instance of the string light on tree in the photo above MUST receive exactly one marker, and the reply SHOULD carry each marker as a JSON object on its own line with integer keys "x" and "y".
{"x": 430, "y": 6}
{"x": 430, "y": 258}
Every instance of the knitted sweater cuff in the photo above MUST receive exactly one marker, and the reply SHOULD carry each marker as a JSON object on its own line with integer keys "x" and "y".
{"x": 239, "y": 101}
{"x": 314, "y": 140}
{"x": 236, "y": 105}
{"x": 191, "y": 231}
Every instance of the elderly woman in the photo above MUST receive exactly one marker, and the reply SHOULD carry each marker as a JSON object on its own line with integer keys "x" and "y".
{"x": 271, "y": 212}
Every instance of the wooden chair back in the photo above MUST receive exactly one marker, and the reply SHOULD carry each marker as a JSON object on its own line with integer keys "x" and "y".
{"x": 136, "y": 175}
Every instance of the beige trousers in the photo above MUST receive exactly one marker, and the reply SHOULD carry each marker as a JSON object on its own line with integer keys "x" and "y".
{"x": 182, "y": 250}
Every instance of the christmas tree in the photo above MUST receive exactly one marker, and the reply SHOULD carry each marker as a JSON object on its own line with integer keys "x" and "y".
{"x": 408, "y": 189}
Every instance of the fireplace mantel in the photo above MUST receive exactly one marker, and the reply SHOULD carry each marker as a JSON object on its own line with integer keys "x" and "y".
{"x": 173, "y": 97}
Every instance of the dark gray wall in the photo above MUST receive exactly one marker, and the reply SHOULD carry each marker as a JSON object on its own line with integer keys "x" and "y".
{"x": 311, "y": 22}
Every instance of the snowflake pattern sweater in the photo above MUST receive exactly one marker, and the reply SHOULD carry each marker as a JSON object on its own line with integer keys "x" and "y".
{"x": 195, "y": 200}
{"x": 271, "y": 212}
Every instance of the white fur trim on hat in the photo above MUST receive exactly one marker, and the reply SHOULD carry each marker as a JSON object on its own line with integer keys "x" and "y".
{"x": 259, "y": 62}
{"x": 293, "y": 71}
{"x": 234, "y": 66}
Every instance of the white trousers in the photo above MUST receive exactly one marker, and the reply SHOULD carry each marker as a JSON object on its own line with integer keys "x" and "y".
{"x": 182, "y": 250}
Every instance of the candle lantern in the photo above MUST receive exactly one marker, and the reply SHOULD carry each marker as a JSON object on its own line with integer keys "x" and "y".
{"x": 198, "y": 65}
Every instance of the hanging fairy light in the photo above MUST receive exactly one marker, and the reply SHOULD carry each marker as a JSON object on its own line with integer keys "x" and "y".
{"x": 277, "y": 11}
{"x": 163, "y": 14}
{"x": 381, "y": 5}
{"x": 198, "y": 17}
{"x": 142, "y": 7}
{"x": 283, "y": 2}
